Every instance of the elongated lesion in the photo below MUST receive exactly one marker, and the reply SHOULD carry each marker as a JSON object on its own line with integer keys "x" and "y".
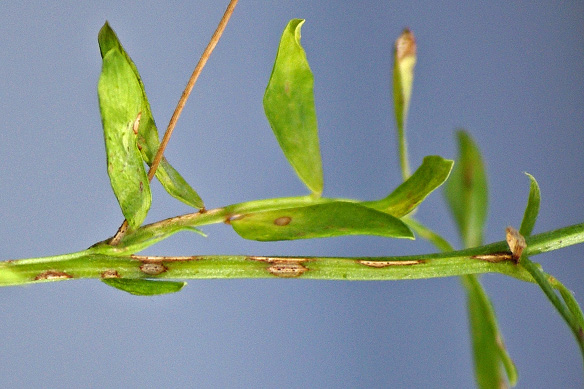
{"x": 283, "y": 267}
{"x": 390, "y": 263}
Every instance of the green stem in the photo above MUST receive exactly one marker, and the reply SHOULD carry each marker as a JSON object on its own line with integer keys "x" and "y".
{"x": 95, "y": 262}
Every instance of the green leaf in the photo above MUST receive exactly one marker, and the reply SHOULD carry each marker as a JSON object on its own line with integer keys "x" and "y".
{"x": 406, "y": 197}
{"x": 141, "y": 287}
{"x": 466, "y": 191}
{"x": 532, "y": 209}
{"x": 289, "y": 107}
{"x": 488, "y": 347}
{"x": 319, "y": 221}
{"x": 404, "y": 60}
{"x": 148, "y": 140}
{"x": 120, "y": 104}
{"x": 176, "y": 186}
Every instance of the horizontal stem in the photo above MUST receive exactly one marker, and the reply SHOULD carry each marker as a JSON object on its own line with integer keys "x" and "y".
{"x": 92, "y": 263}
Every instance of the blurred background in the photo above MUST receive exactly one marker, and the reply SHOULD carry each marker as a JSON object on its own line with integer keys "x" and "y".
{"x": 512, "y": 73}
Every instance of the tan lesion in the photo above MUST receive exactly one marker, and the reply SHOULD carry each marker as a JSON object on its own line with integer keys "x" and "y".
{"x": 379, "y": 264}
{"x": 283, "y": 267}
{"x": 110, "y": 273}
{"x": 153, "y": 269}
{"x": 494, "y": 258}
{"x": 52, "y": 275}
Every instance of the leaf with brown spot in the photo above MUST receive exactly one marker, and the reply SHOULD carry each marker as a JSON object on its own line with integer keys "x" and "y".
{"x": 319, "y": 221}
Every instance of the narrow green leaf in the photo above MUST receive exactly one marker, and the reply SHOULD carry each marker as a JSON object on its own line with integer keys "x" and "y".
{"x": 148, "y": 140}
{"x": 404, "y": 60}
{"x": 176, "y": 186}
{"x": 467, "y": 197}
{"x": 466, "y": 191}
{"x": 289, "y": 107}
{"x": 489, "y": 349}
{"x": 120, "y": 103}
{"x": 406, "y": 197}
{"x": 141, "y": 287}
{"x": 532, "y": 209}
{"x": 319, "y": 221}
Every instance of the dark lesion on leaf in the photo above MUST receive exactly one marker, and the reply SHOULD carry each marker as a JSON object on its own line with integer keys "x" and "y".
{"x": 283, "y": 221}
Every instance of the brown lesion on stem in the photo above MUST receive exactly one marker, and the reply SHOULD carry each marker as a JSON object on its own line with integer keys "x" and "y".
{"x": 283, "y": 267}
{"x": 495, "y": 257}
{"x": 380, "y": 264}
{"x": 110, "y": 273}
{"x": 153, "y": 269}
{"x": 160, "y": 259}
{"x": 52, "y": 275}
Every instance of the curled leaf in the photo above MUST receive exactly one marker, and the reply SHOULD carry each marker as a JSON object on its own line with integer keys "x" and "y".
{"x": 532, "y": 208}
{"x": 148, "y": 140}
{"x": 289, "y": 107}
{"x": 406, "y": 197}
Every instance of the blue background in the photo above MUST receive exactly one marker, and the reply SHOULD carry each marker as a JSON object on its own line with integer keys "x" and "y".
{"x": 512, "y": 73}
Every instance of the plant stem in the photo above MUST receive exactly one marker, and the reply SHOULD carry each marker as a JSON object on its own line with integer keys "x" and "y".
{"x": 95, "y": 263}
{"x": 188, "y": 89}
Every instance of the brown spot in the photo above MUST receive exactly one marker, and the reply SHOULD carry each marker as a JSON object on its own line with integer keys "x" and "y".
{"x": 283, "y": 267}
{"x": 153, "y": 269}
{"x": 287, "y": 269}
{"x": 494, "y": 258}
{"x": 136, "y": 124}
{"x": 390, "y": 263}
{"x": 141, "y": 186}
{"x": 52, "y": 275}
{"x": 283, "y": 221}
{"x": 110, "y": 274}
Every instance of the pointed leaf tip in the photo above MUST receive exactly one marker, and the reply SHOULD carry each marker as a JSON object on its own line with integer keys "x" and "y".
{"x": 290, "y": 109}
{"x": 433, "y": 172}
